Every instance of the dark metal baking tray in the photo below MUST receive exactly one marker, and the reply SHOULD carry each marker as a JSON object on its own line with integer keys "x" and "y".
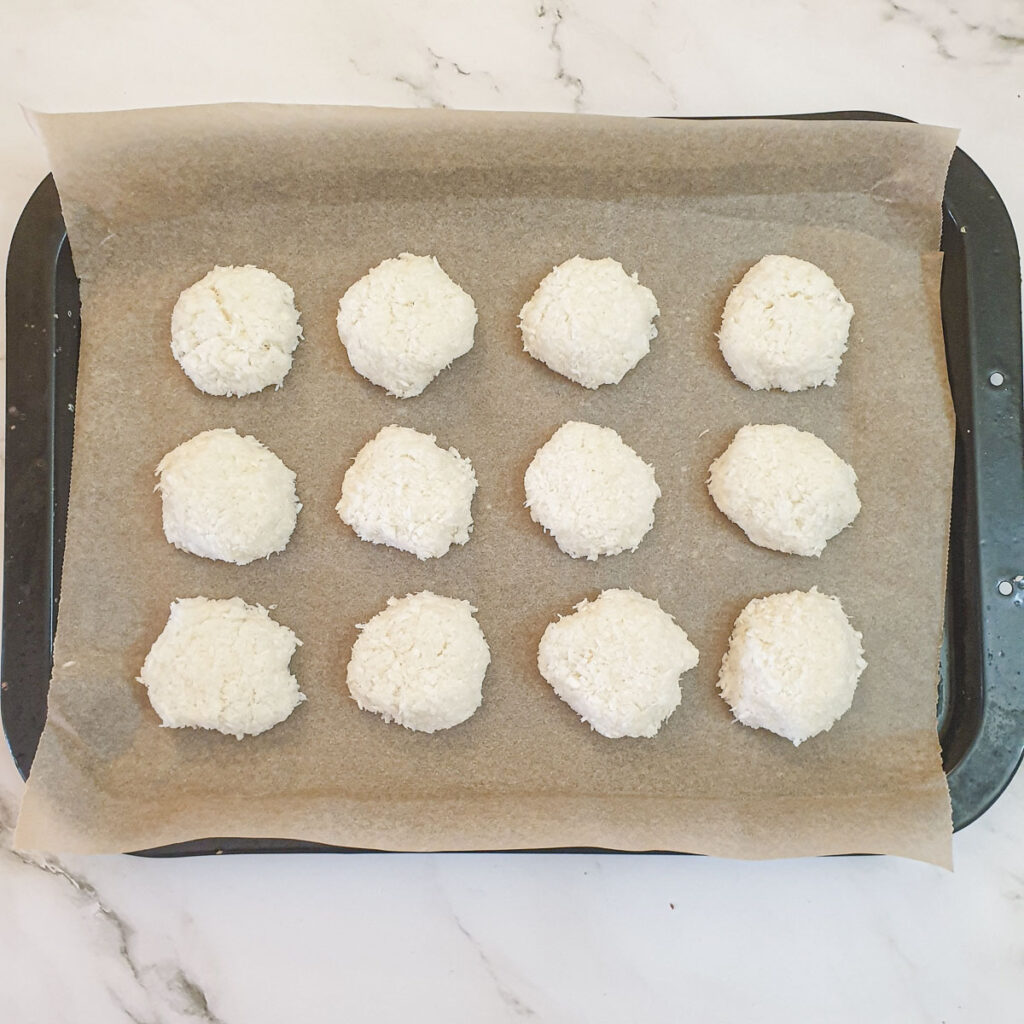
{"x": 980, "y": 716}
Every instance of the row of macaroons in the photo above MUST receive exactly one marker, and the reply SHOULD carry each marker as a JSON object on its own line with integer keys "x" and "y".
{"x": 228, "y": 497}
{"x": 791, "y": 667}
{"x": 785, "y": 325}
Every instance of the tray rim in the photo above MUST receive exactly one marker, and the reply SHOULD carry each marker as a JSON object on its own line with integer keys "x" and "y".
{"x": 978, "y": 205}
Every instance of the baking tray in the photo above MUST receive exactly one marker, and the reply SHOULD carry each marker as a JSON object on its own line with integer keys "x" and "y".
{"x": 980, "y": 714}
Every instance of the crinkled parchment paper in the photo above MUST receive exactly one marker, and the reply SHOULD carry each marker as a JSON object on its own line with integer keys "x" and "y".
{"x": 154, "y": 198}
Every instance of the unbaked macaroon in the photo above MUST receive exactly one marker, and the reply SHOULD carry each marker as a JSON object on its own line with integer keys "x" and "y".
{"x": 405, "y": 491}
{"x": 785, "y": 488}
{"x": 222, "y": 665}
{"x": 227, "y": 497}
{"x": 590, "y": 321}
{"x": 420, "y": 662}
{"x": 616, "y": 661}
{"x": 234, "y": 331}
{"x": 785, "y": 326}
{"x": 404, "y": 322}
{"x": 792, "y": 665}
{"x": 591, "y": 491}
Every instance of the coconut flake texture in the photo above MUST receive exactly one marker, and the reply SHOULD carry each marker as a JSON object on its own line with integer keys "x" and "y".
{"x": 420, "y": 662}
{"x": 221, "y": 665}
{"x": 785, "y": 325}
{"x": 234, "y": 331}
{"x": 616, "y": 662}
{"x": 591, "y": 491}
{"x": 404, "y": 491}
{"x": 589, "y": 321}
{"x": 227, "y": 497}
{"x": 785, "y": 488}
{"x": 404, "y": 322}
{"x": 792, "y": 665}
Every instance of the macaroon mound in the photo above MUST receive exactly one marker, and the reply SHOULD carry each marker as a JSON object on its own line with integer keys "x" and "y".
{"x": 227, "y": 497}
{"x": 420, "y": 662}
{"x": 792, "y": 665}
{"x": 404, "y": 322}
{"x": 785, "y": 488}
{"x": 589, "y": 321}
{"x": 785, "y": 326}
{"x": 234, "y": 331}
{"x": 591, "y": 491}
{"x": 616, "y": 662}
{"x": 221, "y": 665}
{"x": 404, "y": 491}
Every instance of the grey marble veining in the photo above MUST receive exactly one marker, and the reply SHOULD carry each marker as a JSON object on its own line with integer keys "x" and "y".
{"x": 512, "y": 938}
{"x": 141, "y": 991}
{"x": 987, "y": 37}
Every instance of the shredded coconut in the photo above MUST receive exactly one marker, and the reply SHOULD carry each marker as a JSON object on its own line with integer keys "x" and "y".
{"x": 616, "y": 662}
{"x": 404, "y": 322}
{"x": 591, "y": 491}
{"x": 234, "y": 331}
{"x": 785, "y": 488}
{"x": 221, "y": 665}
{"x": 589, "y": 321}
{"x": 404, "y": 491}
{"x": 792, "y": 665}
{"x": 227, "y": 497}
{"x": 785, "y": 325}
{"x": 420, "y": 662}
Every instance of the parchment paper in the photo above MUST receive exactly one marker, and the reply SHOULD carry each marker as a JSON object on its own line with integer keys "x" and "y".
{"x": 318, "y": 195}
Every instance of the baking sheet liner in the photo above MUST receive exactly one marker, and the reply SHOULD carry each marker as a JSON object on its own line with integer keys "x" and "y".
{"x": 154, "y": 198}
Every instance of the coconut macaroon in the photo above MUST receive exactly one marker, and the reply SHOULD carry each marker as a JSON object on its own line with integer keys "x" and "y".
{"x": 616, "y": 662}
{"x": 404, "y": 322}
{"x": 420, "y": 662}
{"x": 222, "y": 665}
{"x": 589, "y": 321}
{"x": 227, "y": 497}
{"x": 792, "y": 665}
{"x": 591, "y": 491}
{"x": 404, "y": 491}
{"x": 785, "y": 488}
{"x": 234, "y": 331}
{"x": 785, "y": 325}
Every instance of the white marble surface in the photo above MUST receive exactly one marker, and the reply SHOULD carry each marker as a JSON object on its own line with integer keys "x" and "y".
{"x": 491, "y": 938}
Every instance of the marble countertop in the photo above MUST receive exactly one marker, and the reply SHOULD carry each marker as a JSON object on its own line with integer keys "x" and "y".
{"x": 246, "y": 940}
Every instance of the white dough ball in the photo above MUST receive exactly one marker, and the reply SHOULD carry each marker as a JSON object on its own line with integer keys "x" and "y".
{"x": 227, "y": 497}
{"x": 234, "y": 331}
{"x": 404, "y": 322}
{"x": 591, "y": 491}
{"x": 785, "y": 488}
{"x": 785, "y": 325}
{"x": 404, "y": 491}
{"x": 616, "y": 662}
{"x": 420, "y": 662}
{"x": 222, "y": 665}
{"x": 589, "y": 321}
{"x": 792, "y": 665}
